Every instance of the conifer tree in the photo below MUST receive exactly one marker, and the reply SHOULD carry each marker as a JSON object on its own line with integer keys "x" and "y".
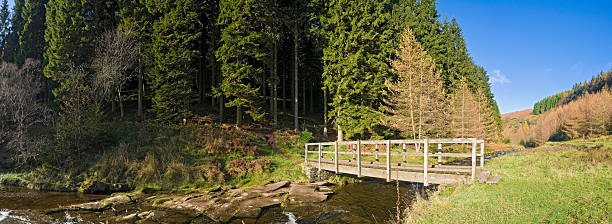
{"x": 241, "y": 54}
{"x": 175, "y": 50}
{"x": 12, "y": 47}
{"x": 32, "y": 37}
{"x": 5, "y": 27}
{"x": 356, "y": 62}
{"x": 464, "y": 112}
{"x": 417, "y": 102}
{"x": 72, "y": 28}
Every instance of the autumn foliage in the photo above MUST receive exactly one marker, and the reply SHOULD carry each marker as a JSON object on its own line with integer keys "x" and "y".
{"x": 590, "y": 115}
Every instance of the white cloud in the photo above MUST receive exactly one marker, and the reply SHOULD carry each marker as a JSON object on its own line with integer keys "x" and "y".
{"x": 577, "y": 68}
{"x": 497, "y": 77}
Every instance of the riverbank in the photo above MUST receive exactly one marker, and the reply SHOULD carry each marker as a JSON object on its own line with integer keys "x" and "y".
{"x": 565, "y": 182}
{"x": 181, "y": 157}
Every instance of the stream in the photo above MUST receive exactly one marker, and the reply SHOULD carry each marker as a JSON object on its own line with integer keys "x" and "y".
{"x": 371, "y": 201}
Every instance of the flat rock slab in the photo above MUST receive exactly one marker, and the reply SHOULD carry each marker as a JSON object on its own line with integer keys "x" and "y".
{"x": 252, "y": 208}
{"x": 494, "y": 180}
{"x": 269, "y": 187}
{"x": 322, "y": 183}
{"x": 482, "y": 177}
{"x": 306, "y": 193}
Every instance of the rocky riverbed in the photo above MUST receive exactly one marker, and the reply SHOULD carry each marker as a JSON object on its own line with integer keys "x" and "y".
{"x": 370, "y": 201}
{"x": 215, "y": 206}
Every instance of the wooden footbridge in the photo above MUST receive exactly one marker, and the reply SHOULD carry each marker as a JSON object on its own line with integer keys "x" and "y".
{"x": 366, "y": 159}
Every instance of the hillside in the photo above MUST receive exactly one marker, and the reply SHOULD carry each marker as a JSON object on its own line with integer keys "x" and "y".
{"x": 517, "y": 114}
{"x": 598, "y": 83}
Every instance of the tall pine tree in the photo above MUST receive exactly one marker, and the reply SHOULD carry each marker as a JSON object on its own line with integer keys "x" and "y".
{"x": 175, "y": 50}
{"x": 242, "y": 55}
{"x": 356, "y": 62}
{"x": 12, "y": 48}
{"x": 32, "y": 37}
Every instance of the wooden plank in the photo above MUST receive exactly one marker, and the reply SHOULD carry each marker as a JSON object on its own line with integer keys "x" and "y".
{"x": 388, "y": 161}
{"x": 358, "y": 159}
{"x": 425, "y": 160}
{"x": 433, "y": 178}
{"x": 400, "y": 166}
{"x": 353, "y": 152}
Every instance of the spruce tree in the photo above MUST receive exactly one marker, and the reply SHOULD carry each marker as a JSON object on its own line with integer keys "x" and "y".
{"x": 71, "y": 33}
{"x": 5, "y": 27}
{"x": 32, "y": 37}
{"x": 356, "y": 63}
{"x": 11, "y": 51}
{"x": 242, "y": 54}
{"x": 175, "y": 51}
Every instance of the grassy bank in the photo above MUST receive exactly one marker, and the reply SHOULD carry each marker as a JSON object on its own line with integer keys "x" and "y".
{"x": 566, "y": 182}
{"x": 181, "y": 157}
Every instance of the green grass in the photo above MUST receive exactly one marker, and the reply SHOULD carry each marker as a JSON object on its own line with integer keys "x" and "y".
{"x": 559, "y": 183}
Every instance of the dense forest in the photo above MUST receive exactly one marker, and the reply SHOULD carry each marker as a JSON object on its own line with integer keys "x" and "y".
{"x": 582, "y": 112}
{"x": 596, "y": 84}
{"x": 75, "y": 71}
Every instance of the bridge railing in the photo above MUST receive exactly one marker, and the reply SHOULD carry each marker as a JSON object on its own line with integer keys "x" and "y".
{"x": 426, "y": 154}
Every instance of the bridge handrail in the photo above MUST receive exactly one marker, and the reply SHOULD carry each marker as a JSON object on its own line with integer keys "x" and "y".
{"x": 426, "y": 142}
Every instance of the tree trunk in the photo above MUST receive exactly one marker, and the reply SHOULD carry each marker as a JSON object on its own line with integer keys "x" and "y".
{"x": 140, "y": 91}
{"x": 340, "y": 133}
{"x": 238, "y": 117}
{"x": 325, "y": 112}
{"x": 221, "y": 108}
{"x": 295, "y": 78}
{"x": 312, "y": 86}
{"x": 120, "y": 103}
{"x": 274, "y": 78}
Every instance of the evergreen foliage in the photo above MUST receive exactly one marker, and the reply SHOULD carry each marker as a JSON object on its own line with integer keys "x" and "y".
{"x": 32, "y": 37}
{"x": 356, "y": 63}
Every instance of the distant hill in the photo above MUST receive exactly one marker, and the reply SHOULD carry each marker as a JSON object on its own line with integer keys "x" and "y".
{"x": 517, "y": 114}
{"x": 597, "y": 83}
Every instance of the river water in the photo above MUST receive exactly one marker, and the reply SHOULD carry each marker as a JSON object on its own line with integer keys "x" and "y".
{"x": 371, "y": 201}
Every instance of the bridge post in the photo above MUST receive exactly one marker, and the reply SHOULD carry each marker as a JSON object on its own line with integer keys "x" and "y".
{"x": 388, "y": 160}
{"x": 353, "y": 152}
{"x": 404, "y": 148}
{"x": 376, "y": 153}
{"x": 359, "y": 158}
{"x": 439, "y": 156}
{"x": 336, "y": 156}
{"x": 306, "y": 153}
{"x": 425, "y": 160}
{"x": 473, "y": 159}
{"x": 320, "y": 146}
{"x": 482, "y": 154}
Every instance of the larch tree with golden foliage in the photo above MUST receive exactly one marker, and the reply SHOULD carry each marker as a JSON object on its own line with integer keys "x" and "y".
{"x": 464, "y": 116}
{"x": 417, "y": 100}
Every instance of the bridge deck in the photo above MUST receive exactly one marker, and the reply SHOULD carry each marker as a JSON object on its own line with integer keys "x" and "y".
{"x": 420, "y": 173}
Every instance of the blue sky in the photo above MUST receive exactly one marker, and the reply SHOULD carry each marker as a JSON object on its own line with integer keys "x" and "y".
{"x": 533, "y": 49}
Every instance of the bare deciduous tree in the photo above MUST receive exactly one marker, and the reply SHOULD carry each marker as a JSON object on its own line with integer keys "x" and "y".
{"x": 21, "y": 111}
{"x": 114, "y": 64}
